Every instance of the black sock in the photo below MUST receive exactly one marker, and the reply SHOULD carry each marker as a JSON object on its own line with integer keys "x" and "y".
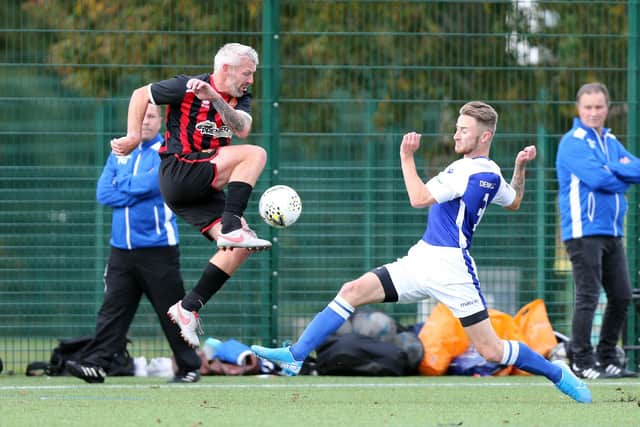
{"x": 238, "y": 193}
{"x": 210, "y": 282}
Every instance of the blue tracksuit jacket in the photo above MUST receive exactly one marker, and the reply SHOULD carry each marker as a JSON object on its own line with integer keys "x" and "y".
{"x": 129, "y": 184}
{"x": 592, "y": 182}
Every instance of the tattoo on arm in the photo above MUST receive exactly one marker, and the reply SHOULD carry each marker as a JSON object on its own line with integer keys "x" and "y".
{"x": 230, "y": 116}
{"x": 517, "y": 181}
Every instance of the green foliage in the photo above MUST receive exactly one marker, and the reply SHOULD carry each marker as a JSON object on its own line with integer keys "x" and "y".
{"x": 103, "y": 46}
{"x": 404, "y": 57}
{"x": 585, "y": 44}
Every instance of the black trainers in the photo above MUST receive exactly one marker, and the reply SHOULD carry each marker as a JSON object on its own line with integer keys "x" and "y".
{"x": 599, "y": 372}
{"x": 186, "y": 377}
{"x": 613, "y": 370}
{"x": 589, "y": 371}
{"x": 89, "y": 373}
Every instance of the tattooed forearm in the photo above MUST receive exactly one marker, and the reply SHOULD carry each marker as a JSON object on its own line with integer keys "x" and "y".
{"x": 230, "y": 116}
{"x": 517, "y": 181}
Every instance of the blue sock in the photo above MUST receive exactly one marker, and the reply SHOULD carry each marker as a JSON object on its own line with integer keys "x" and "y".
{"x": 324, "y": 324}
{"x": 520, "y": 355}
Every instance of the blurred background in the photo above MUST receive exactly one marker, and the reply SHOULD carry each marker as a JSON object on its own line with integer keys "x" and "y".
{"x": 338, "y": 84}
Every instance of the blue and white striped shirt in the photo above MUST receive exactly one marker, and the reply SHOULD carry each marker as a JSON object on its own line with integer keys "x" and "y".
{"x": 464, "y": 190}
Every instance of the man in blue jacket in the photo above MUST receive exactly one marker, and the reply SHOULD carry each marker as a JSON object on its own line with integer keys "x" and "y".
{"x": 594, "y": 172}
{"x": 144, "y": 258}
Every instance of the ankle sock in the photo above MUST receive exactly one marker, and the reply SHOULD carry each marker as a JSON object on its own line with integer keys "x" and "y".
{"x": 210, "y": 282}
{"x": 520, "y": 355}
{"x": 238, "y": 194}
{"x": 323, "y": 324}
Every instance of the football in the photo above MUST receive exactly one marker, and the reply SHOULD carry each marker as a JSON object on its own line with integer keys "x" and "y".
{"x": 280, "y": 206}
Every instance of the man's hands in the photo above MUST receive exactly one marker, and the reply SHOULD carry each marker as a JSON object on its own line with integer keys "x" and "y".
{"x": 202, "y": 90}
{"x": 527, "y": 154}
{"x": 124, "y": 145}
{"x": 410, "y": 143}
{"x": 419, "y": 195}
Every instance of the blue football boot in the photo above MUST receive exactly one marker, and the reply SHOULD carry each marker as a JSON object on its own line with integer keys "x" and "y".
{"x": 570, "y": 385}
{"x": 282, "y": 357}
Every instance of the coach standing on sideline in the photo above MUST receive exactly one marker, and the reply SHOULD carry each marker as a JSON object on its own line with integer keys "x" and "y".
{"x": 144, "y": 258}
{"x": 594, "y": 172}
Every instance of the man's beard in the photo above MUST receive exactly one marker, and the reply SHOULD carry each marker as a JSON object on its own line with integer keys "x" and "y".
{"x": 466, "y": 149}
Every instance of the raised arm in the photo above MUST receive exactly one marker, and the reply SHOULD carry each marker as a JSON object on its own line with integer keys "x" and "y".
{"x": 419, "y": 194}
{"x": 137, "y": 108}
{"x": 526, "y": 155}
{"x": 239, "y": 121}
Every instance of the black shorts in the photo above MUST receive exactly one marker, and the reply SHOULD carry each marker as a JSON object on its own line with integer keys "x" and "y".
{"x": 186, "y": 183}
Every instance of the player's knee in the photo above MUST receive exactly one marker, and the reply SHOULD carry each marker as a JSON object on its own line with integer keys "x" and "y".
{"x": 259, "y": 155}
{"x": 351, "y": 291}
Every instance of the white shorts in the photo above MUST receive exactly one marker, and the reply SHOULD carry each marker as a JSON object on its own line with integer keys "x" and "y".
{"x": 444, "y": 273}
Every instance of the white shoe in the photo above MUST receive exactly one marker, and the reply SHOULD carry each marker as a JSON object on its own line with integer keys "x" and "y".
{"x": 188, "y": 321}
{"x": 242, "y": 238}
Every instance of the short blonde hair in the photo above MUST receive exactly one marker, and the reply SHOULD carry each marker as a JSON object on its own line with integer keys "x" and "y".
{"x": 484, "y": 113}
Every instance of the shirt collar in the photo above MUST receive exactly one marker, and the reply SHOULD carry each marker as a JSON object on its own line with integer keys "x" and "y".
{"x": 578, "y": 123}
{"x": 147, "y": 144}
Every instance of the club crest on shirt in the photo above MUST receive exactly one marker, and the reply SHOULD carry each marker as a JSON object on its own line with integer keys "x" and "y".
{"x": 592, "y": 143}
{"x": 210, "y": 128}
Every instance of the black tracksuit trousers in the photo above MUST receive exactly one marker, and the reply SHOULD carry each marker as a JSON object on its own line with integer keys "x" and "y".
{"x": 598, "y": 261}
{"x": 154, "y": 272}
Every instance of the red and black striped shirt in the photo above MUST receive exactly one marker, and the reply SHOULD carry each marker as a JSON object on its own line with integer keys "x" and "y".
{"x": 185, "y": 111}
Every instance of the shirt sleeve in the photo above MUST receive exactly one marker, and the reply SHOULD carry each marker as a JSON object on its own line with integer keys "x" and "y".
{"x": 627, "y": 172}
{"x": 448, "y": 184}
{"x": 589, "y": 169}
{"x": 506, "y": 194}
{"x": 170, "y": 91}
{"x": 140, "y": 186}
{"x": 144, "y": 183}
{"x": 107, "y": 192}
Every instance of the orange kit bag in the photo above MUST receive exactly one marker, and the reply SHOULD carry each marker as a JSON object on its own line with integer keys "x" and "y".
{"x": 443, "y": 338}
{"x": 536, "y": 327}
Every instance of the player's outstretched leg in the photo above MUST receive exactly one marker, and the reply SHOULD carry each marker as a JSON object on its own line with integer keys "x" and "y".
{"x": 570, "y": 385}
{"x": 519, "y": 354}
{"x": 281, "y": 357}
{"x": 323, "y": 324}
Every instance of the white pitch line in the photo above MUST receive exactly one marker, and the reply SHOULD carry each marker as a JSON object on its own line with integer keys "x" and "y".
{"x": 292, "y": 386}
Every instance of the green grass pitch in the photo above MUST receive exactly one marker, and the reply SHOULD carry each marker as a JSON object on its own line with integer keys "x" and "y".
{"x": 313, "y": 401}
